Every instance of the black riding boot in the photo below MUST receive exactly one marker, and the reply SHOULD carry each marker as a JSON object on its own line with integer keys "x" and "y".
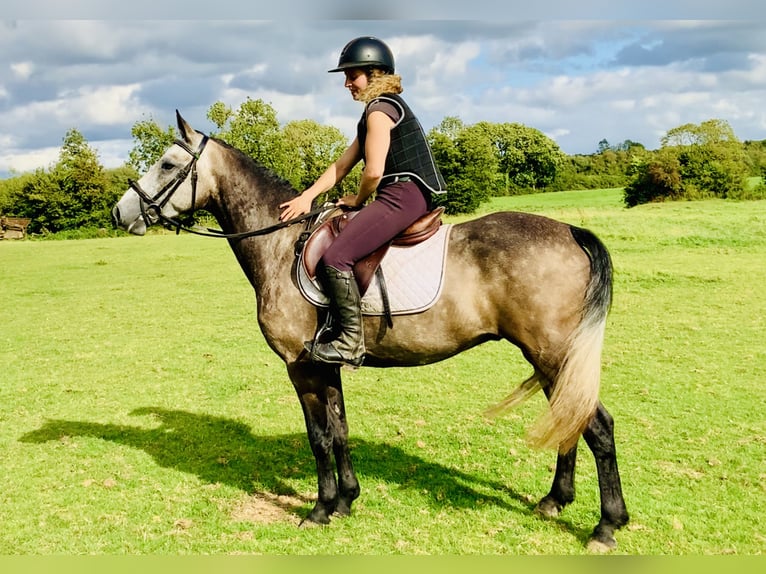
{"x": 346, "y": 305}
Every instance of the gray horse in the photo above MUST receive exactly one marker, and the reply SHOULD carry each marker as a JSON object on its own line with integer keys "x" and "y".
{"x": 541, "y": 284}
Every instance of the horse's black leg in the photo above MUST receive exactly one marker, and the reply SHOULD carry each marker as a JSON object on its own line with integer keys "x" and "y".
{"x": 312, "y": 394}
{"x": 563, "y": 488}
{"x": 321, "y": 397}
{"x": 349, "y": 485}
{"x": 599, "y": 435}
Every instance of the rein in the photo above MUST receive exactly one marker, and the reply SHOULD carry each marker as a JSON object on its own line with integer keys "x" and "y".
{"x": 151, "y": 206}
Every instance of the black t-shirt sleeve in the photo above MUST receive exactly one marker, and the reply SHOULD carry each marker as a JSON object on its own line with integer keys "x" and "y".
{"x": 387, "y": 108}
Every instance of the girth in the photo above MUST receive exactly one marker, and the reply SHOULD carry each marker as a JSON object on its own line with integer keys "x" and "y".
{"x": 365, "y": 268}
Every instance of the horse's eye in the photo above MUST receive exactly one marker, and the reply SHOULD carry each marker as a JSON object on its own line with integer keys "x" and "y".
{"x": 166, "y": 165}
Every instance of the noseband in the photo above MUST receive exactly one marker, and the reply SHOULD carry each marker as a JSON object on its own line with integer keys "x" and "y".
{"x": 151, "y": 207}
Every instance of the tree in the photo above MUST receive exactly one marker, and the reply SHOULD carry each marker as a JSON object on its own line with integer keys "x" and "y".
{"x": 310, "y": 147}
{"x": 755, "y": 153}
{"x": 488, "y": 159}
{"x": 220, "y": 114}
{"x": 254, "y": 130}
{"x": 630, "y": 145}
{"x": 10, "y": 189}
{"x": 74, "y": 193}
{"x": 82, "y": 178}
{"x": 696, "y": 161}
{"x": 467, "y": 162}
{"x": 299, "y": 152}
{"x": 447, "y": 158}
{"x": 528, "y": 159}
{"x": 710, "y": 132}
{"x": 713, "y": 162}
{"x": 655, "y": 179}
{"x": 117, "y": 180}
{"x": 150, "y": 142}
{"x": 40, "y": 198}
{"x": 446, "y": 154}
{"x": 450, "y": 127}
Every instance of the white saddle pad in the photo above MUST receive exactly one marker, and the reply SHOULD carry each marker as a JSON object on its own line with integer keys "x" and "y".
{"x": 413, "y": 276}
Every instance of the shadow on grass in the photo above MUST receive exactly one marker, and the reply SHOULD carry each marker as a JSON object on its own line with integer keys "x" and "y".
{"x": 221, "y": 450}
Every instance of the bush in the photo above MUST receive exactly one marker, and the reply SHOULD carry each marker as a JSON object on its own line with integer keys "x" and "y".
{"x": 656, "y": 179}
{"x": 462, "y": 197}
{"x": 754, "y": 191}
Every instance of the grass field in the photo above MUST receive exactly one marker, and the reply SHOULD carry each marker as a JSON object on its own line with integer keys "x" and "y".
{"x": 142, "y": 413}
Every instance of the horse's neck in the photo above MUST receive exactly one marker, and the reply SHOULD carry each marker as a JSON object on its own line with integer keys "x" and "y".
{"x": 249, "y": 201}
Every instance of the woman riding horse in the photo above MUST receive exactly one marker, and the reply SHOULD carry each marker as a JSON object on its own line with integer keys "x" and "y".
{"x": 399, "y": 169}
{"x": 543, "y": 285}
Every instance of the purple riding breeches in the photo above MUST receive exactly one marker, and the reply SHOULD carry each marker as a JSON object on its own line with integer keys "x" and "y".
{"x": 395, "y": 208}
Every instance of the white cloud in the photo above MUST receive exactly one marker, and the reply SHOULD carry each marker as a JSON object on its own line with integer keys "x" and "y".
{"x": 756, "y": 74}
{"x": 22, "y": 70}
{"x": 22, "y": 161}
{"x": 557, "y": 133}
{"x": 625, "y": 105}
{"x": 103, "y": 105}
{"x": 113, "y": 153}
{"x": 446, "y": 63}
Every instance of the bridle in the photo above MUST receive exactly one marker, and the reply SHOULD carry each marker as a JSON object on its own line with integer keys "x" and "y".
{"x": 151, "y": 206}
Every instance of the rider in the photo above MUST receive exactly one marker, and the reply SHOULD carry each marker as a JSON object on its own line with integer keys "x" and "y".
{"x": 398, "y": 167}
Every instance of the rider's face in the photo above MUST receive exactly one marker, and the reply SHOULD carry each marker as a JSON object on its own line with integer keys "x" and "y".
{"x": 356, "y": 81}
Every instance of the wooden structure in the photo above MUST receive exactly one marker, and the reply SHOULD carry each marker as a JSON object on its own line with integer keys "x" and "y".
{"x": 13, "y": 227}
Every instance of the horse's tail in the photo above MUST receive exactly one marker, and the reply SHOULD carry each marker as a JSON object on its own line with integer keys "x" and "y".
{"x": 575, "y": 388}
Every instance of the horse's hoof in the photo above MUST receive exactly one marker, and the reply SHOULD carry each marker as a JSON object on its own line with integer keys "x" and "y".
{"x": 547, "y": 508}
{"x": 601, "y": 546}
{"x": 315, "y": 518}
{"x": 342, "y": 510}
{"x": 307, "y": 523}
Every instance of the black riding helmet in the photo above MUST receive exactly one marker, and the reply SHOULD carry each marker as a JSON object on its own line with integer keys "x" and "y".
{"x": 365, "y": 52}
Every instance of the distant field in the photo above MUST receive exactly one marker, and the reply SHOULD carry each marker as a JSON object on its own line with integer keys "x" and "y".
{"x": 142, "y": 413}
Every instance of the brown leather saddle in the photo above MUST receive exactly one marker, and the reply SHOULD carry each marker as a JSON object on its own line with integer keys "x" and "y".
{"x": 365, "y": 269}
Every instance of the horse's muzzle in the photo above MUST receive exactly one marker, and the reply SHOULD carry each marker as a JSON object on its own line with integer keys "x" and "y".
{"x": 137, "y": 227}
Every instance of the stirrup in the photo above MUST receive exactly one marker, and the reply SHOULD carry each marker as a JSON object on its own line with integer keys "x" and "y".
{"x": 326, "y": 327}
{"x": 332, "y": 356}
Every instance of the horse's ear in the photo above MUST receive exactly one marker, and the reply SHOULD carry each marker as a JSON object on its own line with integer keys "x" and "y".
{"x": 185, "y": 129}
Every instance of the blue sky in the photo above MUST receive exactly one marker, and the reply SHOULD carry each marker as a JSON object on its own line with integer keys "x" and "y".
{"x": 578, "y": 73}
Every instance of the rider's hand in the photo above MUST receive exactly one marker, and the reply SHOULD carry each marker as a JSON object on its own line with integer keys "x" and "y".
{"x": 349, "y": 201}
{"x": 295, "y": 207}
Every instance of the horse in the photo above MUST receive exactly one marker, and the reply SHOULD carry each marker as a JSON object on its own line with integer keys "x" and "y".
{"x": 543, "y": 285}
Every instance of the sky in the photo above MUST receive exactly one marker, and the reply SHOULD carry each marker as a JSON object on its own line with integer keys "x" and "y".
{"x": 580, "y": 76}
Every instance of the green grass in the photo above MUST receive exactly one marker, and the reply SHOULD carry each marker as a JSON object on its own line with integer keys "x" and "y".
{"x": 142, "y": 413}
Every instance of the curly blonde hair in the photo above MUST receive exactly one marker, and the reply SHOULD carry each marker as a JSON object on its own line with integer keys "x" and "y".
{"x": 380, "y": 83}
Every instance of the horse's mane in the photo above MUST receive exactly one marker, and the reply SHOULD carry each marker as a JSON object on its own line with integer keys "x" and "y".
{"x": 266, "y": 176}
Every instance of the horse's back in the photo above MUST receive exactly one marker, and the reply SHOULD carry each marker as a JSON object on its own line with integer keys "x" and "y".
{"x": 513, "y": 238}
{"x": 512, "y": 226}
